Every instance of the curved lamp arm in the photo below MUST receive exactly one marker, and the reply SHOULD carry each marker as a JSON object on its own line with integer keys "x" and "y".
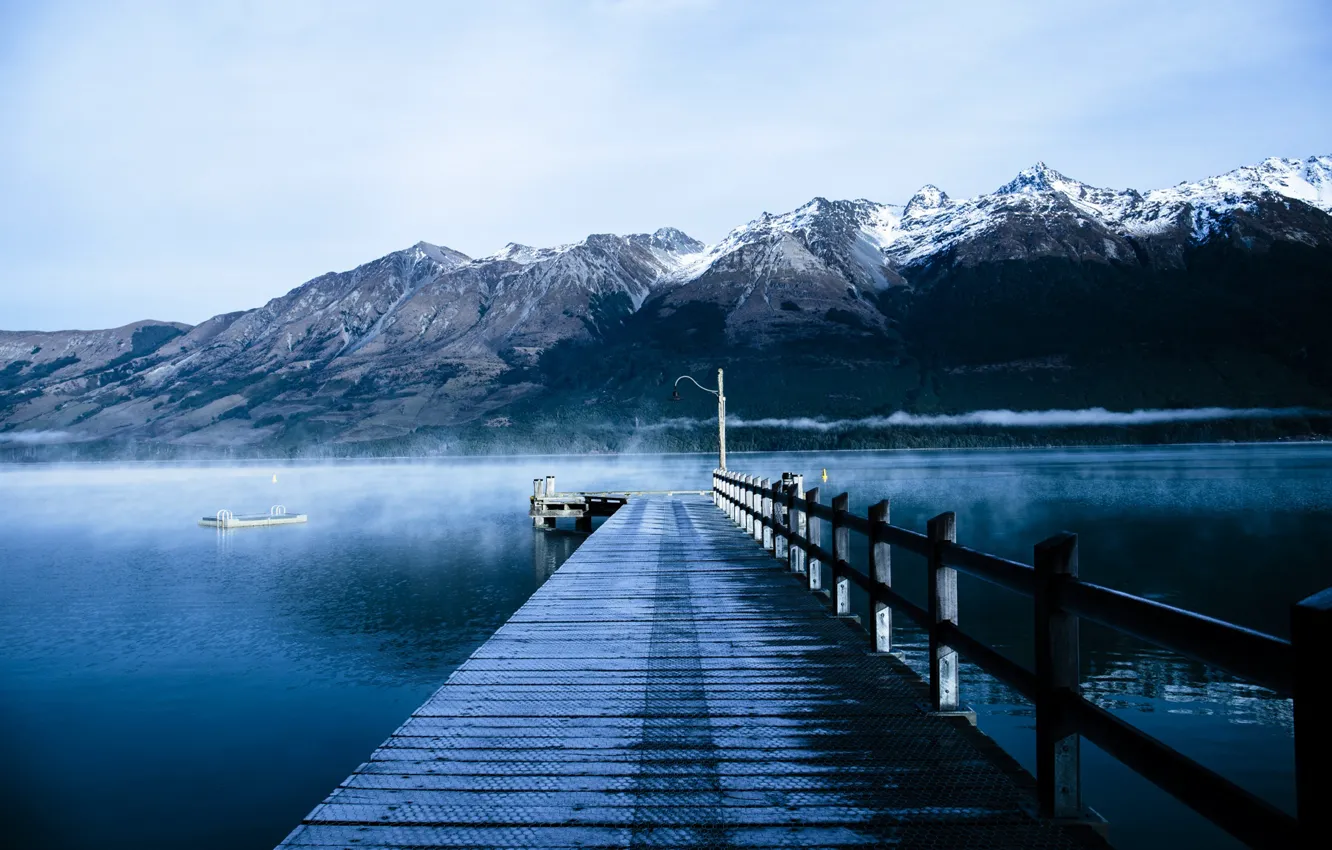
{"x": 695, "y": 383}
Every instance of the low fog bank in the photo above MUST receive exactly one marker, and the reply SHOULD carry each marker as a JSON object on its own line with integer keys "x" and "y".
{"x": 402, "y": 498}
{"x": 572, "y": 434}
{"x": 1090, "y": 416}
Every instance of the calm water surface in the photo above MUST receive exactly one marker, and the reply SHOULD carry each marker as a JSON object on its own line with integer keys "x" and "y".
{"x": 163, "y": 684}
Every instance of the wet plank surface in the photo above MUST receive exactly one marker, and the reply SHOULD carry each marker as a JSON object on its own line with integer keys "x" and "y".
{"x": 672, "y": 685}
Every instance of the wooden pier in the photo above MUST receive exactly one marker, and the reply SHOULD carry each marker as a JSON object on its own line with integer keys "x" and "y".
{"x": 549, "y": 505}
{"x": 673, "y": 685}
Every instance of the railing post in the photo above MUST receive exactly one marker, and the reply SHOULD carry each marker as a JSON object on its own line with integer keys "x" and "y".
{"x": 755, "y": 509}
{"x": 762, "y": 532}
{"x": 738, "y": 484}
{"x": 742, "y": 497}
{"x": 841, "y": 551}
{"x": 815, "y": 537}
{"x": 781, "y": 517}
{"x": 943, "y": 609}
{"x": 749, "y": 504}
{"x": 1058, "y": 785}
{"x": 731, "y": 506}
{"x": 1311, "y": 640}
{"x": 881, "y": 570}
{"x": 796, "y": 502}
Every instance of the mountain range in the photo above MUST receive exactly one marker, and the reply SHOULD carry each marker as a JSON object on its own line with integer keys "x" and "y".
{"x": 1047, "y": 292}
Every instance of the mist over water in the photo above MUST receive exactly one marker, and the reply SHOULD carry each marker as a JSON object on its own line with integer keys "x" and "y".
{"x": 1083, "y": 417}
{"x": 34, "y": 438}
{"x": 163, "y": 684}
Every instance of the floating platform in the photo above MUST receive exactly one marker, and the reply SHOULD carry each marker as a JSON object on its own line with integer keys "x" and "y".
{"x": 277, "y": 515}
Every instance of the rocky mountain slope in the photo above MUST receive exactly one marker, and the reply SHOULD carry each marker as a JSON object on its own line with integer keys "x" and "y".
{"x": 1047, "y": 291}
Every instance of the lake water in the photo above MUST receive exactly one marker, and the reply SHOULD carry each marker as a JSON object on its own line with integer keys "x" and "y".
{"x": 166, "y": 685}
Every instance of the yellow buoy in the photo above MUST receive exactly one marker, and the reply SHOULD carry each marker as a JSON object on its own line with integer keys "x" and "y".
{"x": 275, "y": 478}
{"x": 825, "y": 476}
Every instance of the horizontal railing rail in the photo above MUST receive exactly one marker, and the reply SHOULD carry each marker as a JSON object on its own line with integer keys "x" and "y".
{"x": 787, "y": 522}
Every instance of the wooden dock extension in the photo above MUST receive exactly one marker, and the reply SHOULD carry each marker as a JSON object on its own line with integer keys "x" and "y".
{"x": 673, "y": 685}
{"x": 550, "y": 505}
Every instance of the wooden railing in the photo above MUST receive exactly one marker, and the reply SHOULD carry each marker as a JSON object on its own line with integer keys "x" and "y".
{"x": 786, "y": 520}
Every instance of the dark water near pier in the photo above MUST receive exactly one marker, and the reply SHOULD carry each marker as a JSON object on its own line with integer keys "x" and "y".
{"x": 165, "y": 685}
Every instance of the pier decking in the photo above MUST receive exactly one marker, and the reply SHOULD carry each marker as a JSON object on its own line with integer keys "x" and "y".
{"x": 672, "y": 685}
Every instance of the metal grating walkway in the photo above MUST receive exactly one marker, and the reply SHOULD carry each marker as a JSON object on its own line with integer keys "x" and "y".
{"x": 674, "y": 686}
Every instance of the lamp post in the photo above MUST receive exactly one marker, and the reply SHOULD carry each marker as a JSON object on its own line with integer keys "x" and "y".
{"x": 721, "y": 410}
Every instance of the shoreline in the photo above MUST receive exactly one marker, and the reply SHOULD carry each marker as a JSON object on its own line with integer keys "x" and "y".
{"x": 370, "y": 459}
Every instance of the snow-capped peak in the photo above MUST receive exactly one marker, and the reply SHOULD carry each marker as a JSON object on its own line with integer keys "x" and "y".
{"x": 1308, "y": 180}
{"x": 516, "y": 252}
{"x": 1039, "y": 178}
{"x": 446, "y": 257}
{"x": 928, "y": 197}
{"x": 676, "y": 241}
{"x": 869, "y": 243}
{"x": 848, "y": 235}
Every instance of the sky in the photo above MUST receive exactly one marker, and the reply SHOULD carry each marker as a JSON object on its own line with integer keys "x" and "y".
{"x": 174, "y": 161}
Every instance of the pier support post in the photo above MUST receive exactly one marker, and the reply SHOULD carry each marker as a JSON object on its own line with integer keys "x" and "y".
{"x": 764, "y": 530}
{"x": 1058, "y": 781}
{"x": 795, "y": 501}
{"x": 815, "y": 537}
{"x": 841, "y": 551}
{"x": 881, "y": 570}
{"x": 944, "y": 694}
{"x": 1310, "y": 637}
